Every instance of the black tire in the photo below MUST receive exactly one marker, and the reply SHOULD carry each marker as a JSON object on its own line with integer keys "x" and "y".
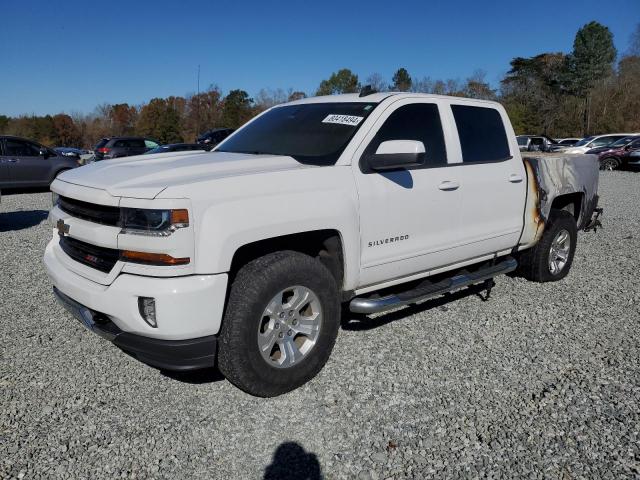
{"x": 534, "y": 265}
{"x": 609, "y": 163}
{"x": 254, "y": 286}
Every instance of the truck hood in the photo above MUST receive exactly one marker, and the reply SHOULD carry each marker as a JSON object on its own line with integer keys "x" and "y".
{"x": 145, "y": 176}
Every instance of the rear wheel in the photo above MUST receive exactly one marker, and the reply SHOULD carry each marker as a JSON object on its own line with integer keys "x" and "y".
{"x": 610, "y": 164}
{"x": 550, "y": 260}
{"x": 280, "y": 325}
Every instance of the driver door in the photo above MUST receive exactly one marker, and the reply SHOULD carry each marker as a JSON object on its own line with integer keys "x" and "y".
{"x": 409, "y": 218}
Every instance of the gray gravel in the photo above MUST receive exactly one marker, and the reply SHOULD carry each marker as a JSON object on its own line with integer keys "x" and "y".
{"x": 541, "y": 381}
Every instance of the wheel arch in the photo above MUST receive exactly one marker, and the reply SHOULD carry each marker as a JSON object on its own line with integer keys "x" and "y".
{"x": 327, "y": 245}
{"x": 574, "y": 203}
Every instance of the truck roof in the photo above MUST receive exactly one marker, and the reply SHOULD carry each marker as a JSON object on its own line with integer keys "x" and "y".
{"x": 379, "y": 97}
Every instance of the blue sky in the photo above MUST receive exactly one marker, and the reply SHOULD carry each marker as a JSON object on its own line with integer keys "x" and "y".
{"x": 68, "y": 56}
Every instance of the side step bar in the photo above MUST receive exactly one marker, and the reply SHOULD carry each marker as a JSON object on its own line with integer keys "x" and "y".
{"x": 424, "y": 292}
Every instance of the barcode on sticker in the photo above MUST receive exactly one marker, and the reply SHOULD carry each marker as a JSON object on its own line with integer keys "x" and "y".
{"x": 343, "y": 119}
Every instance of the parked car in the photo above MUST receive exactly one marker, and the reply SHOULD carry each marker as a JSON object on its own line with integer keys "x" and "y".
{"x": 70, "y": 151}
{"x": 116, "y": 147}
{"x": 536, "y": 143}
{"x": 27, "y": 164}
{"x": 244, "y": 259}
{"x": 594, "y": 141}
{"x": 211, "y": 138}
{"x": 567, "y": 142}
{"x": 617, "y": 154}
{"x": 84, "y": 156}
{"x": 177, "y": 147}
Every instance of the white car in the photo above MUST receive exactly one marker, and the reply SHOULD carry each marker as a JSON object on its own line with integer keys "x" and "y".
{"x": 242, "y": 256}
{"x": 595, "y": 141}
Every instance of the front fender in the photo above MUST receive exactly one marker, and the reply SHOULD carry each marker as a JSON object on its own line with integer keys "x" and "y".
{"x": 278, "y": 204}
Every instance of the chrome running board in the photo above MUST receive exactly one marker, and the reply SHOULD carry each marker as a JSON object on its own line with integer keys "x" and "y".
{"x": 425, "y": 291}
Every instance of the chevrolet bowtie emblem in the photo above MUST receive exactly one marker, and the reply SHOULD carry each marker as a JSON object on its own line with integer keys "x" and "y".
{"x": 62, "y": 228}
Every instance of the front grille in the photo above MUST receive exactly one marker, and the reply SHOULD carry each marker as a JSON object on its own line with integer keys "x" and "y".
{"x": 92, "y": 212}
{"x": 100, "y": 258}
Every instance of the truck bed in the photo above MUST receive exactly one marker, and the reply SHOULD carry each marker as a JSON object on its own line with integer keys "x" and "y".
{"x": 551, "y": 175}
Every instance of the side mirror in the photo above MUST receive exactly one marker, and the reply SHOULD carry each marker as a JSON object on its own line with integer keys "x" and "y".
{"x": 44, "y": 153}
{"x": 396, "y": 154}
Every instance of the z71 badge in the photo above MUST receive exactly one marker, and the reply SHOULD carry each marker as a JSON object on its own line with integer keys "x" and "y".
{"x": 384, "y": 241}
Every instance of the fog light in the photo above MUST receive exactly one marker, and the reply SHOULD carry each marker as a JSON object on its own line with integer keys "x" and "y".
{"x": 147, "y": 308}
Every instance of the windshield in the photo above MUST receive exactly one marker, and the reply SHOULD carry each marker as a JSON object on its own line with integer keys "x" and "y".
{"x": 584, "y": 141}
{"x": 101, "y": 143}
{"x": 622, "y": 142}
{"x": 522, "y": 141}
{"x": 313, "y": 133}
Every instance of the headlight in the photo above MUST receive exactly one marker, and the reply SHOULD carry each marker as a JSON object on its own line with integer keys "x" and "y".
{"x": 142, "y": 221}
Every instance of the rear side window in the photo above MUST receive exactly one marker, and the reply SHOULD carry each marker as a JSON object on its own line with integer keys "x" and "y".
{"x": 101, "y": 143}
{"x": 418, "y": 121}
{"x": 482, "y": 134}
{"x": 120, "y": 144}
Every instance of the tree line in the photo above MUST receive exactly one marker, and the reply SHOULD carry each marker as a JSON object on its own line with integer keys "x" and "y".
{"x": 588, "y": 90}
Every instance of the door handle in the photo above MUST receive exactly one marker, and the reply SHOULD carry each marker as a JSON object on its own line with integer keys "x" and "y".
{"x": 449, "y": 185}
{"x": 515, "y": 178}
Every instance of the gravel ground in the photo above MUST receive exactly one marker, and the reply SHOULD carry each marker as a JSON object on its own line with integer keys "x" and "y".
{"x": 541, "y": 381}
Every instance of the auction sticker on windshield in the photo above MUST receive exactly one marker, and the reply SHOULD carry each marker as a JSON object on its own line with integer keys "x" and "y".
{"x": 342, "y": 119}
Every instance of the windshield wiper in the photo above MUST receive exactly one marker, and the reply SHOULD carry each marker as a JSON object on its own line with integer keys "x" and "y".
{"x": 249, "y": 152}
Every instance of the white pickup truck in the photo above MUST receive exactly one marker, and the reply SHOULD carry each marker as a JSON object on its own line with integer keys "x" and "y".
{"x": 242, "y": 256}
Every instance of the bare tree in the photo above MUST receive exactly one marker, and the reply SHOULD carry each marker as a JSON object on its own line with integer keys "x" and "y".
{"x": 377, "y": 82}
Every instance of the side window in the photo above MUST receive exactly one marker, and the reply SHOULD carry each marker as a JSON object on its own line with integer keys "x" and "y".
{"x": 18, "y": 148}
{"x": 418, "y": 121}
{"x": 635, "y": 144}
{"x": 482, "y": 134}
{"x": 120, "y": 144}
{"x": 136, "y": 143}
{"x": 149, "y": 144}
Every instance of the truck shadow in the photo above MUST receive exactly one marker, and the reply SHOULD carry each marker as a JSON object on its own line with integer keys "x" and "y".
{"x": 361, "y": 322}
{"x": 20, "y": 220}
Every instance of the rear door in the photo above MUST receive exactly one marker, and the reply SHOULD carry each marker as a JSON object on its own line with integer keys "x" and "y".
{"x": 136, "y": 146}
{"x": 26, "y": 166}
{"x": 492, "y": 179}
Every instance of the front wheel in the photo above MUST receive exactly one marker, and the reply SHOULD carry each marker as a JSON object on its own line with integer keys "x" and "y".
{"x": 280, "y": 324}
{"x": 551, "y": 258}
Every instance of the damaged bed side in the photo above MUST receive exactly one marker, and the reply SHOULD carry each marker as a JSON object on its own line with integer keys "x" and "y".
{"x": 560, "y": 181}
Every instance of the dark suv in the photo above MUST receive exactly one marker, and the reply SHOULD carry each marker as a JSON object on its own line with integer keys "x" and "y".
{"x": 27, "y": 164}
{"x": 212, "y": 137}
{"x": 115, "y": 147}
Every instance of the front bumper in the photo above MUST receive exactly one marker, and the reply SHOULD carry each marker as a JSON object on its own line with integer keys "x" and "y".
{"x": 177, "y": 355}
{"x": 189, "y": 306}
